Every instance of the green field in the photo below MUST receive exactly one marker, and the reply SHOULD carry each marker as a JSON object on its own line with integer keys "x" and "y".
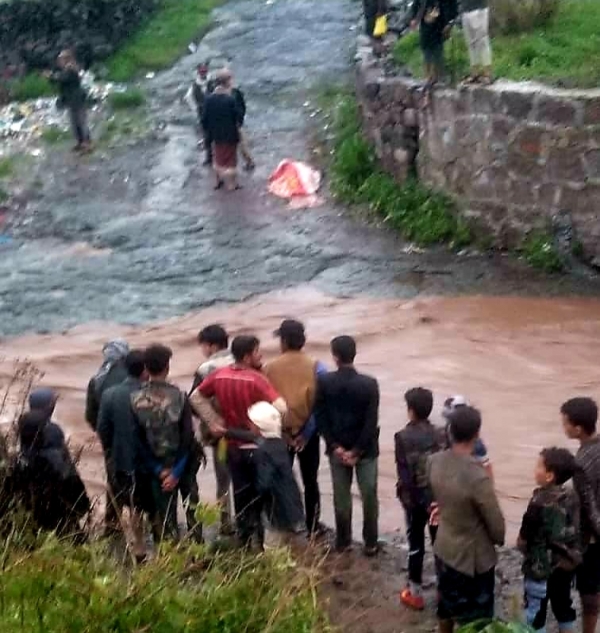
{"x": 565, "y": 52}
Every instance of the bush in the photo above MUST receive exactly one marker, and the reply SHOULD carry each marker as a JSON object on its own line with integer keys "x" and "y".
{"x": 59, "y": 588}
{"x": 540, "y": 252}
{"x": 520, "y": 16}
{"x": 421, "y": 215}
{"x": 32, "y": 86}
{"x": 130, "y": 98}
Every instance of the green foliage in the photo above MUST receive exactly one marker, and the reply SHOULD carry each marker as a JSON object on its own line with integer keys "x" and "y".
{"x": 59, "y": 588}
{"x": 494, "y": 626}
{"x": 4, "y": 196}
{"x": 521, "y": 16}
{"x": 421, "y": 215}
{"x": 53, "y": 135}
{"x": 130, "y": 98}
{"x": 7, "y": 166}
{"x": 31, "y": 86}
{"x": 540, "y": 252}
{"x": 565, "y": 51}
{"x": 162, "y": 39}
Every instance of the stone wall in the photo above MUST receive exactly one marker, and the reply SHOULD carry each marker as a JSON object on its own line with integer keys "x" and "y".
{"x": 517, "y": 157}
{"x": 33, "y": 32}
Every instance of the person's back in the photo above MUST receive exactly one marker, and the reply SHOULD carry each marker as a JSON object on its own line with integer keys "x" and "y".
{"x": 221, "y": 118}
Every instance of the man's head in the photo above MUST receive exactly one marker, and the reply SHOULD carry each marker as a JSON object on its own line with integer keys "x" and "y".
{"x": 419, "y": 403}
{"x": 158, "y": 360}
{"x": 202, "y": 70}
{"x": 554, "y": 466}
{"x": 213, "y": 339}
{"x": 43, "y": 401}
{"x": 135, "y": 362}
{"x": 65, "y": 58}
{"x": 291, "y": 334}
{"x": 224, "y": 78}
{"x": 343, "y": 350}
{"x": 115, "y": 350}
{"x": 465, "y": 425}
{"x": 246, "y": 351}
{"x": 579, "y": 417}
{"x": 451, "y": 404}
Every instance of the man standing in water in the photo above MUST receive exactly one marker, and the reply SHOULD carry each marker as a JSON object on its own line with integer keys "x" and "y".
{"x": 347, "y": 409}
{"x": 164, "y": 422}
{"x": 235, "y": 389}
{"x": 221, "y": 120}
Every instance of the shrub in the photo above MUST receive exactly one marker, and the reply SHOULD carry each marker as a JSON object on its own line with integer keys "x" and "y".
{"x": 31, "y": 86}
{"x": 59, "y": 588}
{"x": 520, "y": 16}
{"x": 540, "y": 252}
{"x": 421, "y": 215}
{"x": 130, "y": 98}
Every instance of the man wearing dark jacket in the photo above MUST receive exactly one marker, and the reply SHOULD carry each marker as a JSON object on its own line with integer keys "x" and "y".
{"x": 118, "y": 433}
{"x": 346, "y": 410}
{"x": 164, "y": 422}
{"x": 111, "y": 372}
{"x": 43, "y": 400}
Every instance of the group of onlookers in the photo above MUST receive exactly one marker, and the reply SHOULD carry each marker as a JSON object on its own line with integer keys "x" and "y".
{"x": 445, "y": 483}
{"x": 259, "y": 419}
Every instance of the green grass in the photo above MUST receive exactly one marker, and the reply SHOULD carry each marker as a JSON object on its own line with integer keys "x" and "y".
{"x": 7, "y": 166}
{"x": 539, "y": 251}
{"x": 130, "y": 98}
{"x": 53, "y": 135}
{"x": 565, "y": 52}
{"x": 58, "y": 588}
{"x": 422, "y": 216}
{"x": 31, "y": 86}
{"x": 162, "y": 39}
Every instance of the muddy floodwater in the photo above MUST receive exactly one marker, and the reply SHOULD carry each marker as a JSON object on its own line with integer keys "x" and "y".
{"x": 515, "y": 358}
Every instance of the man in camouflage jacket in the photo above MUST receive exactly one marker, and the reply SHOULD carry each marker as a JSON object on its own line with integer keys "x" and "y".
{"x": 164, "y": 421}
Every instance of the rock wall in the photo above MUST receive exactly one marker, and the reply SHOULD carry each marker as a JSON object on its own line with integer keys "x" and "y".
{"x": 517, "y": 157}
{"x": 33, "y": 32}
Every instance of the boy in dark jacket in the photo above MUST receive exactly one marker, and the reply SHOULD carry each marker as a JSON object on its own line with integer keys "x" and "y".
{"x": 549, "y": 539}
{"x": 414, "y": 445}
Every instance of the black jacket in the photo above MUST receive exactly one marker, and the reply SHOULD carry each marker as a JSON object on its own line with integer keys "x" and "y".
{"x": 221, "y": 118}
{"x": 117, "y": 427}
{"x": 116, "y": 375}
{"x": 71, "y": 93}
{"x": 347, "y": 409}
{"x": 432, "y": 34}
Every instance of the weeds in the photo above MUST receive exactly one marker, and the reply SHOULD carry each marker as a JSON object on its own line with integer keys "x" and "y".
{"x": 421, "y": 215}
{"x": 129, "y": 99}
{"x": 7, "y": 166}
{"x": 162, "y": 39}
{"x": 563, "y": 52}
{"x": 539, "y": 251}
{"x": 31, "y": 86}
{"x": 54, "y": 135}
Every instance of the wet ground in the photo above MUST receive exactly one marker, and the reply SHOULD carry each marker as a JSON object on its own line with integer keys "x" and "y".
{"x": 138, "y": 233}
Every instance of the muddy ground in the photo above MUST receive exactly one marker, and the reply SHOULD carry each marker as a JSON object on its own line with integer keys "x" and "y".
{"x": 135, "y": 234}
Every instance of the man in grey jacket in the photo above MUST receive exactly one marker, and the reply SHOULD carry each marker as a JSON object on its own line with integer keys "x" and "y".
{"x": 471, "y": 525}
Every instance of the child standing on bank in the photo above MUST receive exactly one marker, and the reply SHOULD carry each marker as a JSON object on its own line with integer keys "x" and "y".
{"x": 414, "y": 445}
{"x": 580, "y": 418}
{"x": 550, "y": 541}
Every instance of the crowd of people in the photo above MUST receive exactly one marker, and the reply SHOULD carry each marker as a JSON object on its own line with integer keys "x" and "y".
{"x": 257, "y": 420}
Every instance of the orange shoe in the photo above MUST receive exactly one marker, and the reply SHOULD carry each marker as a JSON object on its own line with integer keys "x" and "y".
{"x": 408, "y": 599}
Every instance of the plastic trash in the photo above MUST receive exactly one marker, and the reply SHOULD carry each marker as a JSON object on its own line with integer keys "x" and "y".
{"x": 293, "y": 178}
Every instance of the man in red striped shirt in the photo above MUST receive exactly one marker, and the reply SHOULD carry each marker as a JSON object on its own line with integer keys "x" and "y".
{"x": 236, "y": 389}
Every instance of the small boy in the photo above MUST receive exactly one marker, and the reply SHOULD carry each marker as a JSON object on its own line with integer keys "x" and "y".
{"x": 414, "y": 445}
{"x": 550, "y": 541}
{"x": 580, "y": 417}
